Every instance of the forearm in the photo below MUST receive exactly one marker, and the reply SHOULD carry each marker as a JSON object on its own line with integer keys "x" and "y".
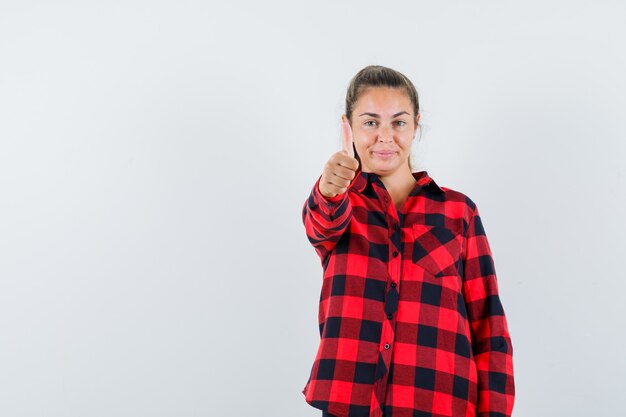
{"x": 325, "y": 219}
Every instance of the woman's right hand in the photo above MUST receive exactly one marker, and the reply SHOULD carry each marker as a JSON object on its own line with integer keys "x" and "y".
{"x": 341, "y": 168}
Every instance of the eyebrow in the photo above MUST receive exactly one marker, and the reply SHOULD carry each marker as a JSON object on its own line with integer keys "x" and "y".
{"x": 378, "y": 115}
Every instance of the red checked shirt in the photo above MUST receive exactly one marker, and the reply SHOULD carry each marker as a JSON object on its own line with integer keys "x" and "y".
{"x": 410, "y": 320}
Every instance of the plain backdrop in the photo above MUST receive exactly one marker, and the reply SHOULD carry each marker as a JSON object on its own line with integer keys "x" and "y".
{"x": 155, "y": 157}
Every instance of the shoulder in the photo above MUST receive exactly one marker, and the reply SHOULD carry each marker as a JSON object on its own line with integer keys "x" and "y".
{"x": 455, "y": 199}
{"x": 458, "y": 198}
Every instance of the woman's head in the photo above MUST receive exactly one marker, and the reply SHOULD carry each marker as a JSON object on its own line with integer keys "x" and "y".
{"x": 383, "y": 109}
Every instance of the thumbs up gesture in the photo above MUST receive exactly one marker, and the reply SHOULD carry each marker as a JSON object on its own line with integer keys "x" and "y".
{"x": 341, "y": 168}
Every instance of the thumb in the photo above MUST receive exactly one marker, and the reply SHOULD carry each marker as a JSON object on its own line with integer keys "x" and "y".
{"x": 347, "y": 136}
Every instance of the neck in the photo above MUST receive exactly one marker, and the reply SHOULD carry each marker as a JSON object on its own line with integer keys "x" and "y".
{"x": 399, "y": 180}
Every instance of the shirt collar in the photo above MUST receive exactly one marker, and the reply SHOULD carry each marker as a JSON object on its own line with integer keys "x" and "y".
{"x": 423, "y": 181}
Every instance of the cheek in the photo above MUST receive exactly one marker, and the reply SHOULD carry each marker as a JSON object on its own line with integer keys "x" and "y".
{"x": 362, "y": 142}
{"x": 407, "y": 142}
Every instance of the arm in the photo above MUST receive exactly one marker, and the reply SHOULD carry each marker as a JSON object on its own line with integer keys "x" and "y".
{"x": 491, "y": 342}
{"x": 325, "y": 219}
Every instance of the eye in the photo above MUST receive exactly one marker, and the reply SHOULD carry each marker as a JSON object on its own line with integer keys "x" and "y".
{"x": 400, "y": 122}
{"x": 368, "y": 123}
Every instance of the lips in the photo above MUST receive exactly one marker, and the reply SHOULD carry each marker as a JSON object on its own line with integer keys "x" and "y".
{"x": 384, "y": 154}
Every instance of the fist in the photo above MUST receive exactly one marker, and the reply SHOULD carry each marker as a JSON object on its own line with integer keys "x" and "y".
{"x": 341, "y": 168}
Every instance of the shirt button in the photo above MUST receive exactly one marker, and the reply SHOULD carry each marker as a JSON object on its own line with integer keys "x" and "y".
{"x": 389, "y": 316}
{"x": 393, "y": 285}
{"x": 387, "y": 346}
{"x": 395, "y": 253}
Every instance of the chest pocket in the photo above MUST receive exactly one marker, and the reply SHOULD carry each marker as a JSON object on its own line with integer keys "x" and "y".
{"x": 437, "y": 249}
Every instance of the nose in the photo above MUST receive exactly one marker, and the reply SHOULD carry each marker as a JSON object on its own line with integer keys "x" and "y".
{"x": 385, "y": 134}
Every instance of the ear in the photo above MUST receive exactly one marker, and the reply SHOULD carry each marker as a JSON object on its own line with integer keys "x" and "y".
{"x": 417, "y": 119}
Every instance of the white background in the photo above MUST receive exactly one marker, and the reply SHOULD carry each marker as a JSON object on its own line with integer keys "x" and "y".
{"x": 155, "y": 157}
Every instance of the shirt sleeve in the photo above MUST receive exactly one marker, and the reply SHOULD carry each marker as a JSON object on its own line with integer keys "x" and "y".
{"x": 325, "y": 219}
{"x": 491, "y": 342}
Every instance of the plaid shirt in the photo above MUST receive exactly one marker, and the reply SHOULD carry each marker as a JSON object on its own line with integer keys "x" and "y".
{"x": 410, "y": 319}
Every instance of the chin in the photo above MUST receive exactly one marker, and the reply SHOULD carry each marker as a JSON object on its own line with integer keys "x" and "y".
{"x": 383, "y": 168}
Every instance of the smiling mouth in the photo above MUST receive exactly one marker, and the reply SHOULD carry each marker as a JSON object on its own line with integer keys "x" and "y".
{"x": 384, "y": 155}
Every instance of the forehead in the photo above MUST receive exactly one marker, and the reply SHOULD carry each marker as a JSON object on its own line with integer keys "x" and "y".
{"x": 383, "y": 101}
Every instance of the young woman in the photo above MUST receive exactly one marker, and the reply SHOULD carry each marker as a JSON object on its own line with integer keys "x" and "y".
{"x": 410, "y": 319}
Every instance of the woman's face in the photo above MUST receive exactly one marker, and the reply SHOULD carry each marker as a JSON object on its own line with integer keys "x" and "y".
{"x": 383, "y": 128}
